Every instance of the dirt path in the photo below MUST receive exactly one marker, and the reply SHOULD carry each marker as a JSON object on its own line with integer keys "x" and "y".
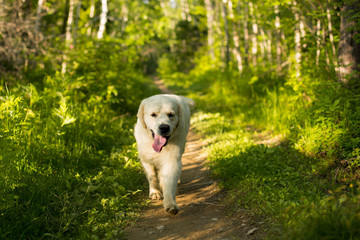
{"x": 203, "y": 214}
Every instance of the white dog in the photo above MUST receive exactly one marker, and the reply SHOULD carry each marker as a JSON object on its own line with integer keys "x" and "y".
{"x": 160, "y": 132}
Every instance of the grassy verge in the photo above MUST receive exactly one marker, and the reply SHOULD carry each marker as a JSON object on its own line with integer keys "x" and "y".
{"x": 68, "y": 160}
{"x": 271, "y": 179}
{"x": 280, "y": 152}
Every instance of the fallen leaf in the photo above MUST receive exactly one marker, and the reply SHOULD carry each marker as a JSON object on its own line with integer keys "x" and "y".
{"x": 160, "y": 228}
{"x": 252, "y": 231}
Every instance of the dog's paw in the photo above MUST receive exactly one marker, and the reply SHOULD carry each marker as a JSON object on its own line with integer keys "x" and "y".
{"x": 172, "y": 210}
{"x": 155, "y": 196}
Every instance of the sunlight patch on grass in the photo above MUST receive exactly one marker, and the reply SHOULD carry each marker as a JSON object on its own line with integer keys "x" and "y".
{"x": 263, "y": 172}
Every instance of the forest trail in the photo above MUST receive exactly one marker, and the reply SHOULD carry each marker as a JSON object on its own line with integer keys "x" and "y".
{"x": 203, "y": 212}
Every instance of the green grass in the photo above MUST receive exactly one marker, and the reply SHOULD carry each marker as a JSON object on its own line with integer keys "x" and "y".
{"x": 278, "y": 182}
{"x": 68, "y": 159}
{"x": 286, "y": 151}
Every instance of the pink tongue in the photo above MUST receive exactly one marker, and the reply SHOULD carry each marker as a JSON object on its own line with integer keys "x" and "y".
{"x": 159, "y": 142}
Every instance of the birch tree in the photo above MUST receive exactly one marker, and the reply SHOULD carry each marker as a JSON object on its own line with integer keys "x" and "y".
{"x": 225, "y": 52}
{"x": 326, "y": 50}
{"x": 266, "y": 43}
{"x": 103, "y": 19}
{"x": 246, "y": 32}
{"x": 77, "y": 16}
{"x": 91, "y": 16}
{"x": 349, "y": 48}
{"x": 318, "y": 40}
{"x": 278, "y": 38}
{"x": 254, "y": 47}
{"x": 297, "y": 39}
{"x": 210, "y": 26}
{"x": 68, "y": 35}
{"x": 331, "y": 35}
{"x": 236, "y": 39}
{"x": 38, "y": 15}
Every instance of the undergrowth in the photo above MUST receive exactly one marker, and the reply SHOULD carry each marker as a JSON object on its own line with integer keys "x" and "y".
{"x": 68, "y": 160}
{"x": 272, "y": 179}
{"x": 286, "y": 150}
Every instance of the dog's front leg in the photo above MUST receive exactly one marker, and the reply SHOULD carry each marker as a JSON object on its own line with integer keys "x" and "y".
{"x": 151, "y": 174}
{"x": 169, "y": 176}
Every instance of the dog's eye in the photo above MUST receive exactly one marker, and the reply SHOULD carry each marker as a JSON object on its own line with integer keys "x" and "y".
{"x": 170, "y": 115}
{"x": 153, "y": 114}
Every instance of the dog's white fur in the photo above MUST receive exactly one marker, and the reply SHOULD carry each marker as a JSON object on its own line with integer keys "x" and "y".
{"x": 163, "y": 168}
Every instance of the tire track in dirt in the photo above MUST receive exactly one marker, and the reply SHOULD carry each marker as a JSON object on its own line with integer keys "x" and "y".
{"x": 202, "y": 215}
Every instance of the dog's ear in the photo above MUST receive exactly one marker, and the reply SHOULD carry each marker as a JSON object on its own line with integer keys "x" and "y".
{"x": 189, "y": 102}
{"x": 184, "y": 104}
{"x": 140, "y": 114}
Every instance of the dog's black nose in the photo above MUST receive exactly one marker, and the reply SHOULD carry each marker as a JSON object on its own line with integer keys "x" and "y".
{"x": 164, "y": 128}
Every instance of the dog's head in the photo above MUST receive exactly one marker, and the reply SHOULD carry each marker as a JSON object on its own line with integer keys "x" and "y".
{"x": 160, "y": 115}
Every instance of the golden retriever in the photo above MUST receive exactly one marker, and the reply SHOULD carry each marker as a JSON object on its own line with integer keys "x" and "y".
{"x": 162, "y": 125}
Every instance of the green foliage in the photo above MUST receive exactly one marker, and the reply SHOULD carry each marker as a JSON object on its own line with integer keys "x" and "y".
{"x": 337, "y": 217}
{"x": 266, "y": 179}
{"x": 68, "y": 162}
{"x": 278, "y": 145}
{"x": 267, "y": 175}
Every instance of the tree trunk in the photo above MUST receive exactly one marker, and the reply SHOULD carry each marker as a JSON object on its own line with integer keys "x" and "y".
{"x": 68, "y": 36}
{"x": 254, "y": 47}
{"x": 264, "y": 46}
{"x": 209, "y": 17}
{"x": 278, "y": 39}
{"x": 263, "y": 43}
{"x": 324, "y": 40}
{"x": 226, "y": 52}
{"x": 297, "y": 38}
{"x": 236, "y": 39}
{"x": 78, "y": 8}
{"x": 246, "y": 33}
{"x": 38, "y": 15}
{"x": 318, "y": 38}
{"x": 124, "y": 15}
{"x": 267, "y": 44}
{"x": 66, "y": 16}
{"x": 331, "y": 35}
{"x": 91, "y": 16}
{"x": 103, "y": 19}
{"x": 349, "y": 48}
